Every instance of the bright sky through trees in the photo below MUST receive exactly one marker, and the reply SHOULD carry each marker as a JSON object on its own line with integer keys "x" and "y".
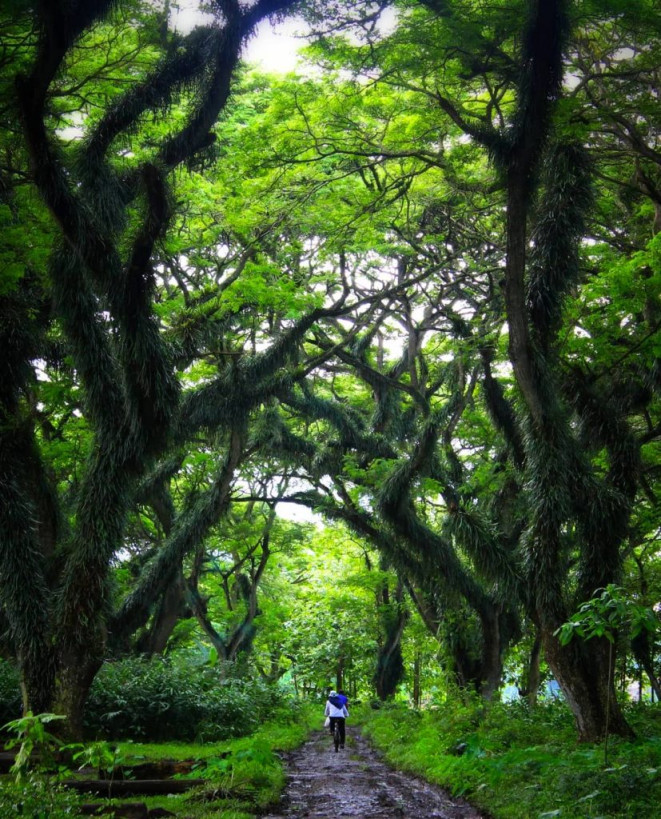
{"x": 274, "y": 46}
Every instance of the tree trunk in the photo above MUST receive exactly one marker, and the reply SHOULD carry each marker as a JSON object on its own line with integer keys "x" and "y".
{"x": 73, "y": 684}
{"x": 530, "y": 690}
{"x": 416, "y": 680}
{"x": 37, "y": 683}
{"x": 166, "y": 617}
{"x": 129, "y": 787}
{"x": 582, "y": 671}
{"x": 390, "y": 668}
{"x": 642, "y": 651}
{"x": 480, "y": 672}
{"x": 339, "y": 674}
{"x": 491, "y": 671}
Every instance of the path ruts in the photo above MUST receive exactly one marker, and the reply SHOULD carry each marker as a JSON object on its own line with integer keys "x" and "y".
{"x": 356, "y": 783}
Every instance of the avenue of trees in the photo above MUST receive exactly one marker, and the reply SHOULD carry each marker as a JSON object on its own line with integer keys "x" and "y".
{"x": 414, "y": 288}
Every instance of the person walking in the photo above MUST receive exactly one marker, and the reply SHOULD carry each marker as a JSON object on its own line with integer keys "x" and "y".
{"x": 336, "y": 710}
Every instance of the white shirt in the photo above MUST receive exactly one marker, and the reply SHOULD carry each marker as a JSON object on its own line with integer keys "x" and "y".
{"x": 333, "y": 711}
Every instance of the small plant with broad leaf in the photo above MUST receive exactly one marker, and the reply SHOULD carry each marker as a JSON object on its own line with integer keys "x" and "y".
{"x": 606, "y": 613}
{"x": 35, "y": 791}
{"x": 37, "y": 747}
{"x": 104, "y": 756}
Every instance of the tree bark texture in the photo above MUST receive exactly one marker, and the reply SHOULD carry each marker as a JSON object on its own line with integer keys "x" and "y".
{"x": 582, "y": 671}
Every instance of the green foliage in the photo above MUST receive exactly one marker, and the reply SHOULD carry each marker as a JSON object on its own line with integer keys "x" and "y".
{"x": 38, "y": 797}
{"x": 607, "y": 613}
{"x": 170, "y": 698}
{"x": 34, "y": 790}
{"x": 370, "y": 176}
{"x": 252, "y": 773}
{"x": 10, "y": 692}
{"x": 328, "y": 623}
{"x": 36, "y": 746}
{"x": 246, "y": 773}
{"x": 102, "y": 755}
{"x": 521, "y": 763}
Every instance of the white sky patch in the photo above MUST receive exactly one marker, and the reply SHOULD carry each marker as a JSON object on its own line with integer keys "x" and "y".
{"x": 581, "y": 332}
{"x": 186, "y": 14}
{"x": 75, "y": 129}
{"x": 272, "y": 48}
{"x": 298, "y": 513}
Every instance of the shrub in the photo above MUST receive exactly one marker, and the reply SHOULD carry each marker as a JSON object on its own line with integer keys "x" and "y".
{"x": 38, "y": 796}
{"x": 170, "y": 698}
{"x": 10, "y": 692}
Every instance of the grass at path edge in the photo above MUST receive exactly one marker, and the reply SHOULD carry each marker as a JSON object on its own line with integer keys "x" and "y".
{"x": 519, "y": 763}
{"x": 246, "y": 775}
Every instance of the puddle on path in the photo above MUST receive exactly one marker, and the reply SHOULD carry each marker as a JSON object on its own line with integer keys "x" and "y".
{"x": 356, "y": 783}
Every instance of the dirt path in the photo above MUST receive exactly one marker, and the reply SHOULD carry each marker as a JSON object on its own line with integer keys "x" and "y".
{"x": 355, "y": 782}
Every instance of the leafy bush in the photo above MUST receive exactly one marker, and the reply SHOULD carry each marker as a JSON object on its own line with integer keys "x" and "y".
{"x": 173, "y": 699}
{"x": 10, "y": 692}
{"x": 33, "y": 790}
{"x": 37, "y": 797}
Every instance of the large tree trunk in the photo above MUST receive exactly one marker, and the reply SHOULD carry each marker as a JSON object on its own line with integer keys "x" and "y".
{"x": 166, "y": 617}
{"x": 584, "y": 672}
{"x": 390, "y": 667}
{"x": 491, "y": 672}
{"x": 122, "y": 362}
{"x": 73, "y": 684}
{"x": 530, "y": 688}
{"x": 481, "y": 673}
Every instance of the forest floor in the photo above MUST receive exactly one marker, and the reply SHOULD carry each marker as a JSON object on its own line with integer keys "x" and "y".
{"x": 355, "y": 782}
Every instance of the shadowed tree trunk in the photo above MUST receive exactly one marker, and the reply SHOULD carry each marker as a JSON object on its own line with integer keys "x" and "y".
{"x": 389, "y": 665}
{"x": 171, "y": 608}
{"x": 530, "y": 688}
{"x": 582, "y": 671}
{"x": 417, "y": 685}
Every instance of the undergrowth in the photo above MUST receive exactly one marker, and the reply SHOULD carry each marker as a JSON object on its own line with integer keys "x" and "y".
{"x": 520, "y": 763}
{"x": 161, "y": 698}
{"x": 243, "y": 776}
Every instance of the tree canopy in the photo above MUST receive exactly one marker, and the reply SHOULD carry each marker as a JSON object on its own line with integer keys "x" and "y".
{"x": 413, "y": 288}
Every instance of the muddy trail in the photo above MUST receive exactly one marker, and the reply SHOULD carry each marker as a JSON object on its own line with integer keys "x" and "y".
{"x": 356, "y": 782}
